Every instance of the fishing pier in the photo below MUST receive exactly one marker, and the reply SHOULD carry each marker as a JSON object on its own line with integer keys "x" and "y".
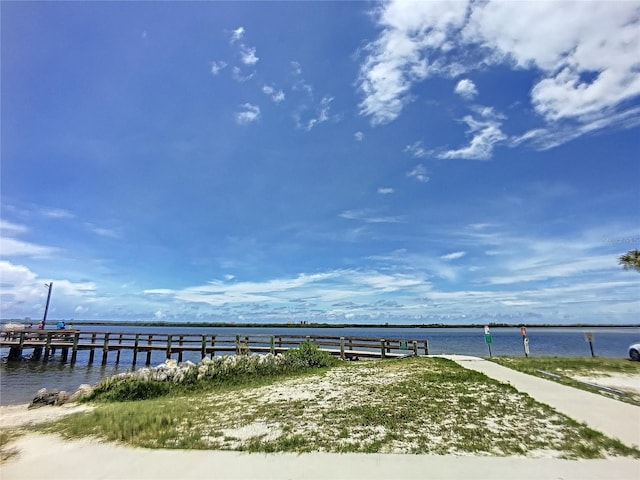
{"x": 139, "y": 347}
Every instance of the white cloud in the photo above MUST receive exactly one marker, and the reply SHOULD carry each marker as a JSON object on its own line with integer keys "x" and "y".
{"x": 276, "y": 95}
{"x": 103, "y": 232}
{"x": 9, "y": 228}
{"x": 420, "y": 173}
{"x": 217, "y": 67}
{"x": 296, "y": 68}
{"x": 486, "y": 134}
{"x": 249, "y": 114}
{"x": 417, "y": 150}
{"x": 248, "y": 55}
{"x": 466, "y": 89}
{"x": 397, "y": 59}
{"x": 236, "y": 73}
{"x": 57, "y": 213}
{"x": 321, "y": 115}
{"x": 369, "y": 216}
{"x": 453, "y": 255}
{"x": 584, "y": 74}
{"x": 559, "y": 39}
{"x": 359, "y": 136}
{"x": 12, "y": 247}
{"x": 385, "y": 190}
{"x": 237, "y": 34}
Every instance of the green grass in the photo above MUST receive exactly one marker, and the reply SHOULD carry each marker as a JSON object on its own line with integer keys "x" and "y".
{"x": 417, "y": 405}
{"x": 567, "y": 367}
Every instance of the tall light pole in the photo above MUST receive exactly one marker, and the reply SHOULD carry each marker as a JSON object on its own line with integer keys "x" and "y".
{"x": 46, "y": 308}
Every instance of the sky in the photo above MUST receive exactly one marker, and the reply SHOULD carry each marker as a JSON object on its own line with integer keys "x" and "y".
{"x": 344, "y": 162}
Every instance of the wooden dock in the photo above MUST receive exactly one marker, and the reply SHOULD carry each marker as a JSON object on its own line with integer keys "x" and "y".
{"x": 45, "y": 343}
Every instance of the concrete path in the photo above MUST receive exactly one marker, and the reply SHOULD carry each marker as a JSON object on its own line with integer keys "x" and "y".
{"x": 47, "y": 457}
{"x": 611, "y": 417}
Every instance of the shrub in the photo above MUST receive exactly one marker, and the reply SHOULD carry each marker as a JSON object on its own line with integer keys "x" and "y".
{"x": 307, "y": 355}
{"x": 129, "y": 388}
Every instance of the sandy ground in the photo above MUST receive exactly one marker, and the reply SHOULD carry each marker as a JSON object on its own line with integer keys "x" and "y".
{"x": 619, "y": 381}
{"x": 20, "y": 415}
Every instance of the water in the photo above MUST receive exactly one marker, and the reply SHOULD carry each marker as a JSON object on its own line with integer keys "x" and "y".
{"x": 20, "y": 380}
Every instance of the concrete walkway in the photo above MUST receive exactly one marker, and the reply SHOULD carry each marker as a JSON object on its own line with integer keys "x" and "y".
{"x": 613, "y": 418}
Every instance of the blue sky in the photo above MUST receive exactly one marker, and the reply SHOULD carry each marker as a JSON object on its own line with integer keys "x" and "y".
{"x": 428, "y": 162}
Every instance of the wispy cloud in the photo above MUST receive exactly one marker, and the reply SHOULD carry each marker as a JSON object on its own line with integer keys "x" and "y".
{"x": 420, "y": 173}
{"x": 385, "y": 190}
{"x": 217, "y": 67}
{"x": 321, "y": 115}
{"x": 485, "y": 132}
{"x": 370, "y": 216}
{"x": 237, "y": 34}
{"x": 417, "y": 150}
{"x": 248, "y": 114}
{"x": 359, "y": 136}
{"x": 237, "y": 75}
{"x": 453, "y": 255}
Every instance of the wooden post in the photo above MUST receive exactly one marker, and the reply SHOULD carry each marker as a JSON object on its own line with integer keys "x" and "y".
{"x": 388, "y": 347}
{"x": 47, "y": 347}
{"x": 213, "y": 346}
{"x": 180, "y": 351}
{"x": 279, "y": 342}
{"x": 119, "y": 349}
{"x": 169, "y": 346}
{"x": 237, "y": 344}
{"x": 273, "y": 345}
{"x": 203, "y": 351}
{"x": 148, "y": 361}
{"x": 74, "y": 352}
{"x": 415, "y": 348}
{"x": 65, "y": 354}
{"x": 135, "y": 349}
{"x": 382, "y": 354}
{"x": 93, "y": 348}
{"x": 426, "y": 347}
{"x": 350, "y": 343}
{"x": 342, "y": 348}
{"x": 105, "y": 348}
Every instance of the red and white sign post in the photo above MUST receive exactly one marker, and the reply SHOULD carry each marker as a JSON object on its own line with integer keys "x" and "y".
{"x": 525, "y": 341}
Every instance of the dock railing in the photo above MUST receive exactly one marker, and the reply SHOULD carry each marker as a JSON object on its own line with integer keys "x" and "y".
{"x": 204, "y": 344}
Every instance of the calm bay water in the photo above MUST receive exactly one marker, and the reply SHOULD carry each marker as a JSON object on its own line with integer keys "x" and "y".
{"x": 20, "y": 380}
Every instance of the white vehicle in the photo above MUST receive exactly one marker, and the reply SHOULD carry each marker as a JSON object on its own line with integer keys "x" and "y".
{"x": 634, "y": 351}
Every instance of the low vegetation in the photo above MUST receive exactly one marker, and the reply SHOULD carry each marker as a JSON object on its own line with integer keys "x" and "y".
{"x": 415, "y": 405}
{"x": 575, "y": 371}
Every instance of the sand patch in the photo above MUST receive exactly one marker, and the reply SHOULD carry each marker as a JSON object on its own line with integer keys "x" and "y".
{"x": 19, "y": 415}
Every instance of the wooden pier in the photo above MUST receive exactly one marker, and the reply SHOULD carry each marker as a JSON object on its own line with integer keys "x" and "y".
{"x": 45, "y": 343}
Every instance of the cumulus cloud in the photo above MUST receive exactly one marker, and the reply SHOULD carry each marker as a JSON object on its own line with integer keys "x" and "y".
{"x": 237, "y": 34}
{"x": 385, "y": 190}
{"x": 359, "y": 136}
{"x": 276, "y": 95}
{"x": 397, "y": 59}
{"x": 248, "y": 55}
{"x": 466, "y": 89}
{"x": 420, "y": 173}
{"x": 217, "y": 67}
{"x": 585, "y": 74}
{"x": 248, "y": 114}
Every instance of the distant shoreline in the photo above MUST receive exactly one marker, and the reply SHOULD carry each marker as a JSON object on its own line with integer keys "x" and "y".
{"x": 120, "y": 323}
